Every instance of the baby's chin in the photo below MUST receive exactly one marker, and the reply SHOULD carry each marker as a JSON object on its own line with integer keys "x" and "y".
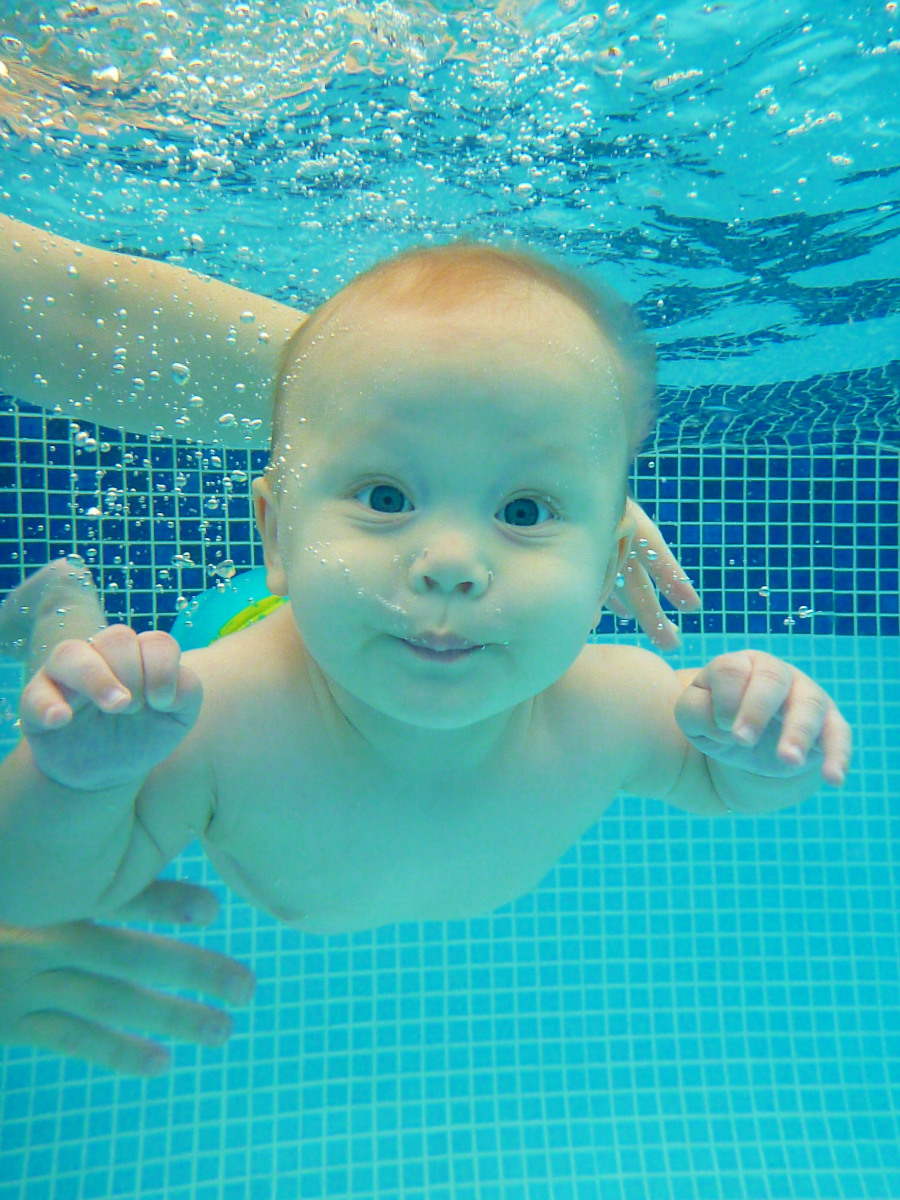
{"x": 421, "y": 712}
{"x": 436, "y": 718}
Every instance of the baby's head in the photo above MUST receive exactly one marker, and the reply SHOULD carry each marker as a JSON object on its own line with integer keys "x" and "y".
{"x": 492, "y": 287}
{"x": 451, "y": 444}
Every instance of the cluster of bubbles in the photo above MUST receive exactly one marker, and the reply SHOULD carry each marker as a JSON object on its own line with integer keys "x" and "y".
{"x": 604, "y": 131}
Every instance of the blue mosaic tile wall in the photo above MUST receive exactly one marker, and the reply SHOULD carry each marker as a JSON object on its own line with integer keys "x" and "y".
{"x": 785, "y": 515}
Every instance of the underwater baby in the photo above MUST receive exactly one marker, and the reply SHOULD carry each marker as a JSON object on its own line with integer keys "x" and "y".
{"x": 421, "y": 730}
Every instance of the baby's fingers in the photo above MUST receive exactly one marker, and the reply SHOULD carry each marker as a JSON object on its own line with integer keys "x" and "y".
{"x": 74, "y": 675}
{"x": 750, "y": 690}
{"x": 803, "y": 716}
{"x": 837, "y": 742}
{"x": 812, "y": 717}
{"x": 160, "y": 661}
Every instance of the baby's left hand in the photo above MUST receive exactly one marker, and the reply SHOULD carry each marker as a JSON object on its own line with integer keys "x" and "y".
{"x": 752, "y": 711}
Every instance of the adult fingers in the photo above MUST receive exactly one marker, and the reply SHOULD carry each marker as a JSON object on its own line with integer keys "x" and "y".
{"x": 639, "y": 597}
{"x": 145, "y": 959}
{"x": 666, "y": 571}
{"x": 72, "y": 1037}
{"x": 171, "y": 902}
{"x": 117, "y": 1005}
{"x": 655, "y": 555}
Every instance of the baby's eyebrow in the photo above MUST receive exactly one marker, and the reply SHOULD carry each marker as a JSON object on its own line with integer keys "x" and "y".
{"x": 375, "y": 435}
{"x": 562, "y": 454}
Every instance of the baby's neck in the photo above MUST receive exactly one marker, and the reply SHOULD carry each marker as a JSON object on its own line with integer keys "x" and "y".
{"x": 423, "y": 752}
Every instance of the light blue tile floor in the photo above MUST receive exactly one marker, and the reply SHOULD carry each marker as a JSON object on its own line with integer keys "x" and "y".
{"x": 683, "y": 1008}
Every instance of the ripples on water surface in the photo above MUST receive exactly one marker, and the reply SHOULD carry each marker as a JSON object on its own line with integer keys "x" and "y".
{"x": 735, "y": 167}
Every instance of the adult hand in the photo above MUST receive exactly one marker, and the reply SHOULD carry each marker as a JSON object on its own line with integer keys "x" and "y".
{"x": 73, "y": 989}
{"x": 653, "y": 566}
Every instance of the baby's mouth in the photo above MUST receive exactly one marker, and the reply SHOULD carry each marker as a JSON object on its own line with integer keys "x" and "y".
{"x": 442, "y": 647}
{"x": 442, "y": 656}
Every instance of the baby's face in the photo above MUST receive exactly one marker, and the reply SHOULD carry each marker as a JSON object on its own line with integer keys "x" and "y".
{"x": 449, "y": 524}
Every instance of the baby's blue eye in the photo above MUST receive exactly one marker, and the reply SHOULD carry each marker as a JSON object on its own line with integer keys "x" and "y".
{"x": 525, "y": 511}
{"x": 384, "y": 498}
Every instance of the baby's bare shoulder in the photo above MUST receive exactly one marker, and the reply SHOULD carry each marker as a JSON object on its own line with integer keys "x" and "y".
{"x": 259, "y": 716}
{"x": 248, "y": 675}
{"x": 619, "y": 701}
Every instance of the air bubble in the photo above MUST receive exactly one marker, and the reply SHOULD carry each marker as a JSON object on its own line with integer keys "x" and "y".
{"x": 107, "y": 75}
{"x": 180, "y": 373}
{"x": 226, "y": 569}
{"x": 247, "y": 317}
{"x": 764, "y": 592}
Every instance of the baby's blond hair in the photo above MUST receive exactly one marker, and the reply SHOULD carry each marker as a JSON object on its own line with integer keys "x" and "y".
{"x": 439, "y": 280}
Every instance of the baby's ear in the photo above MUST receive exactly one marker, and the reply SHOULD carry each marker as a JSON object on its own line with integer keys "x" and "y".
{"x": 265, "y": 506}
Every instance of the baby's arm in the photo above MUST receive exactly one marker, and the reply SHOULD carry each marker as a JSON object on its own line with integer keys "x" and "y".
{"x": 79, "y": 326}
{"x": 748, "y": 733}
{"x": 104, "y": 790}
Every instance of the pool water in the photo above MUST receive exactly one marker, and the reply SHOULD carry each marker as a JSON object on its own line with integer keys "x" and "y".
{"x": 682, "y": 1008}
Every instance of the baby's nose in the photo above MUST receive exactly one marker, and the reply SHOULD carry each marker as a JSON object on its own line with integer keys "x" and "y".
{"x": 448, "y": 572}
{"x": 435, "y": 585}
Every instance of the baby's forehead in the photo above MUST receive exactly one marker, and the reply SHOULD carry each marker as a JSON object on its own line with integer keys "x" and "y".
{"x": 513, "y": 315}
{"x": 424, "y": 412}
{"x": 362, "y": 341}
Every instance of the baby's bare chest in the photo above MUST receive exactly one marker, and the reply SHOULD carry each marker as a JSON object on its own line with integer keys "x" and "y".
{"x": 329, "y": 842}
{"x": 328, "y": 837}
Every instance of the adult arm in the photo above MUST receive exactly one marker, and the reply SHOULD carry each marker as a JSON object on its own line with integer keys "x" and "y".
{"x": 130, "y": 342}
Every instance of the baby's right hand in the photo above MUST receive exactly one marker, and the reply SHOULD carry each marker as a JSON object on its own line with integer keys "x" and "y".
{"x": 103, "y": 713}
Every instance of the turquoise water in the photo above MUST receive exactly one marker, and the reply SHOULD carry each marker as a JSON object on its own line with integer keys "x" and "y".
{"x": 682, "y": 1008}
